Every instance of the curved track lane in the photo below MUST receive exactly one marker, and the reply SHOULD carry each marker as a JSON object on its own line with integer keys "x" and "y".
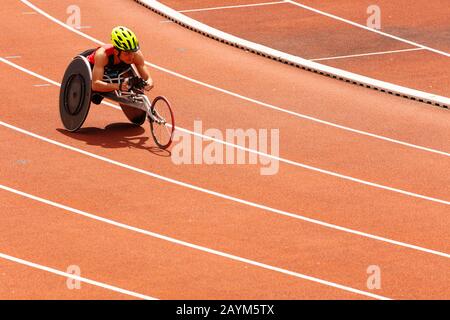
{"x": 45, "y": 170}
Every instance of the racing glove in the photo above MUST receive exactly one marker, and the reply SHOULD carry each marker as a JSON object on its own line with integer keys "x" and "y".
{"x": 137, "y": 83}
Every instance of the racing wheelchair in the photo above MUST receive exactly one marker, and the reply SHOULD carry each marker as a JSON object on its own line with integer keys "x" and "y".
{"x": 76, "y": 95}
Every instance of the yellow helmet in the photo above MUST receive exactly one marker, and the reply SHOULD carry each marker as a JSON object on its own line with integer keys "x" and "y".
{"x": 124, "y": 39}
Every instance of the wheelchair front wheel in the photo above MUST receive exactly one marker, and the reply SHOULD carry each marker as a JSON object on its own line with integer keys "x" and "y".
{"x": 163, "y": 124}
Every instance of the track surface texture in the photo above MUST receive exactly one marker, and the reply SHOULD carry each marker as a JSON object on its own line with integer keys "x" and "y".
{"x": 360, "y": 187}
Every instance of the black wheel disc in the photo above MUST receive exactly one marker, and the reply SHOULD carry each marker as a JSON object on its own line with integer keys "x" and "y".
{"x": 75, "y": 94}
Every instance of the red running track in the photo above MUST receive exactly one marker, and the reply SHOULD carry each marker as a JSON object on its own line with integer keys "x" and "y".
{"x": 245, "y": 235}
{"x": 331, "y": 41}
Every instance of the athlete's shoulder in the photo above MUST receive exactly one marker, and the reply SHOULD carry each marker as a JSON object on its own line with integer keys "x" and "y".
{"x": 101, "y": 56}
{"x": 139, "y": 59}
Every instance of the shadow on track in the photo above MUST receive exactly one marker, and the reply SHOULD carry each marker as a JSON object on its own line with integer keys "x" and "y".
{"x": 116, "y": 135}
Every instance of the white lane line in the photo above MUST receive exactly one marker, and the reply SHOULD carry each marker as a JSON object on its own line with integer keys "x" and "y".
{"x": 224, "y": 196}
{"x": 41, "y": 85}
{"x": 13, "y": 57}
{"x": 256, "y": 102}
{"x": 75, "y": 277}
{"x": 34, "y": 74}
{"x": 415, "y": 44}
{"x": 301, "y": 63}
{"x": 233, "y": 7}
{"x": 193, "y": 246}
{"x": 287, "y": 161}
{"x": 367, "y": 54}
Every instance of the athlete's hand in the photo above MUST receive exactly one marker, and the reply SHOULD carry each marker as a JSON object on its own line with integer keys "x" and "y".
{"x": 138, "y": 83}
{"x": 125, "y": 85}
{"x": 148, "y": 87}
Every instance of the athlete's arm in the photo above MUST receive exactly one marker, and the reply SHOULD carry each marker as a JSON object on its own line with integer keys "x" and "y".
{"x": 139, "y": 62}
{"x": 101, "y": 60}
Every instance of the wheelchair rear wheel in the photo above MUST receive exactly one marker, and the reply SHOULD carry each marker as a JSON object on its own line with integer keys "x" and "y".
{"x": 75, "y": 94}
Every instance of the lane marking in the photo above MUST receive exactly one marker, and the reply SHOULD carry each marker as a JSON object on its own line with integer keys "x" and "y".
{"x": 263, "y": 104}
{"x": 13, "y": 57}
{"x": 296, "y": 61}
{"x": 75, "y": 277}
{"x": 287, "y": 161}
{"x": 367, "y": 54}
{"x": 233, "y": 7}
{"x": 41, "y": 85}
{"x": 193, "y": 246}
{"x": 338, "y": 126}
{"x": 34, "y": 74}
{"x": 415, "y": 44}
{"x": 224, "y": 196}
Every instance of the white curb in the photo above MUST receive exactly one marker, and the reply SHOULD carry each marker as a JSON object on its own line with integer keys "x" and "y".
{"x": 264, "y": 51}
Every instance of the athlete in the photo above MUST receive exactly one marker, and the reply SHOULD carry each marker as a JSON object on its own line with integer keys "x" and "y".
{"x": 114, "y": 58}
